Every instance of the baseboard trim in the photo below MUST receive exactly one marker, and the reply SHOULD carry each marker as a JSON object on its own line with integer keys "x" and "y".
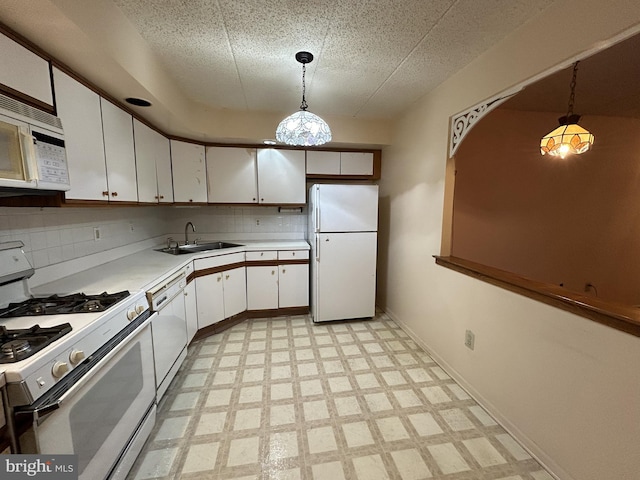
{"x": 555, "y": 470}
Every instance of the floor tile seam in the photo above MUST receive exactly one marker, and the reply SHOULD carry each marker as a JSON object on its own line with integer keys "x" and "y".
{"x": 346, "y": 392}
{"x": 181, "y": 459}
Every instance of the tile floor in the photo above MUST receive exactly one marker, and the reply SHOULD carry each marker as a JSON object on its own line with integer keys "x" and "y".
{"x": 283, "y": 398}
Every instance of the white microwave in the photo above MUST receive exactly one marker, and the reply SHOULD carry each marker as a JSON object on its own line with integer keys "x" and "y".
{"x": 32, "y": 149}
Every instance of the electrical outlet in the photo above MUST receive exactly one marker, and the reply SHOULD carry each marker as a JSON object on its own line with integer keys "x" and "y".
{"x": 469, "y": 339}
{"x": 97, "y": 234}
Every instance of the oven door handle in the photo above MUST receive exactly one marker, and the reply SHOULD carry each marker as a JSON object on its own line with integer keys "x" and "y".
{"x": 40, "y": 412}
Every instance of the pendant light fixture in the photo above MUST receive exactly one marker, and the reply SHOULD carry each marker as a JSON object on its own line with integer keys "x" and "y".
{"x": 303, "y": 127}
{"x": 569, "y": 137}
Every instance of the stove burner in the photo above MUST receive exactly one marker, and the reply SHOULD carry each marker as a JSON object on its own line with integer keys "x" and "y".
{"x": 91, "y": 306}
{"x": 40, "y": 308}
{"x": 55, "y": 304}
{"x": 22, "y": 343}
{"x": 14, "y": 348}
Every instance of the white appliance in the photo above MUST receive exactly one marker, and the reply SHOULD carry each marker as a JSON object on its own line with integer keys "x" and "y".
{"x": 79, "y": 372}
{"x": 343, "y": 225}
{"x": 168, "y": 328}
{"x": 32, "y": 149}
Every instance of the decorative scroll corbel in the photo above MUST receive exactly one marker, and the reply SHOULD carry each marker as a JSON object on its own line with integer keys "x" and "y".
{"x": 463, "y": 122}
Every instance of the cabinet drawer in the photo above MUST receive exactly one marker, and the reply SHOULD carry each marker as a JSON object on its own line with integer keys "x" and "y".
{"x": 262, "y": 255}
{"x": 218, "y": 261}
{"x": 293, "y": 254}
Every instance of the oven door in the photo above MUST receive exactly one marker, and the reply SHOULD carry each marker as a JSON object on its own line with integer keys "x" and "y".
{"x": 99, "y": 415}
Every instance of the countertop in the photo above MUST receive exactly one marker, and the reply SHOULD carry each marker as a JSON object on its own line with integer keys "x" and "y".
{"x": 141, "y": 271}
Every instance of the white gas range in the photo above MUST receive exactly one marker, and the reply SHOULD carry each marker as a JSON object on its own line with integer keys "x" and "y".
{"x": 62, "y": 356}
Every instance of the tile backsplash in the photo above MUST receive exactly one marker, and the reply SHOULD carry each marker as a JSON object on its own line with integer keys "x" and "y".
{"x": 55, "y": 235}
{"x": 231, "y": 222}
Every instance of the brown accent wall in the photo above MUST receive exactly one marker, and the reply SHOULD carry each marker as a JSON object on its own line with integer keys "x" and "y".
{"x": 573, "y": 222}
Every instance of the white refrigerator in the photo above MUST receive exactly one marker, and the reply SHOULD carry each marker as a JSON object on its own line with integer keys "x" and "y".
{"x": 343, "y": 232}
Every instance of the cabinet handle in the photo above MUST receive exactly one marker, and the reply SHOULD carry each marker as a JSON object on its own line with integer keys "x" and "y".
{"x": 261, "y": 253}
{"x": 220, "y": 278}
{"x": 114, "y": 194}
{"x": 254, "y": 199}
{"x": 273, "y": 272}
{"x": 105, "y": 193}
{"x": 226, "y": 277}
{"x": 156, "y": 197}
{"x": 191, "y": 199}
{"x": 262, "y": 199}
{"x": 161, "y": 197}
{"x": 284, "y": 271}
{"x": 293, "y": 254}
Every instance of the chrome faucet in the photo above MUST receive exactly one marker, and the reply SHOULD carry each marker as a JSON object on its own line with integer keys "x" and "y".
{"x": 186, "y": 228}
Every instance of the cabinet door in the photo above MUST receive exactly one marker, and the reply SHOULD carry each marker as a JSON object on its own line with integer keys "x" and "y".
{"x": 323, "y": 163}
{"x": 117, "y": 127}
{"x": 24, "y": 71}
{"x": 281, "y": 176}
{"x": 262, "y": 287}
{"x": 153, "y": 164}
{"x": 356, "y": 163}
{"x": 294, "y": 285}
{"x": 163, "y": 169}
{"x": 232, "y": 175}
{"x": 79, "y": 109}
{"x": 189, "y": 174}
{"x": 191, "y": 310}
{"x": 145, "y": 162}
{"x": 235, "y": 291}
{"x": 210, "y": 299}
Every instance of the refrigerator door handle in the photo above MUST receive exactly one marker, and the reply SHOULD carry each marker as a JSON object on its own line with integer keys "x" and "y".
{"x": 317, "y": 249}
{"x": 317, "y": 219}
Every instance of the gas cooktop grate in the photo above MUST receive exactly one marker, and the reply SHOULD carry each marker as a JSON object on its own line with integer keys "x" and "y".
{"x": 59, "y": 305}
{"x": 18, "y": 344}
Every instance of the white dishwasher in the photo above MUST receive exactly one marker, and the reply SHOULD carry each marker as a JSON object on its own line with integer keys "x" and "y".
{"x": 168, "y": 329}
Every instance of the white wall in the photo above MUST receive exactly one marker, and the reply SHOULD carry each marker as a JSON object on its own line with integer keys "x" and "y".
{"x": 567, "y": 387}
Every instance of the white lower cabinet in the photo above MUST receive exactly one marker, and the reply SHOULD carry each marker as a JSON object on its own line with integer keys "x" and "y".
{"x": 281, "y": 285}
{"x": 293, "y": 283}
{"x": 221, "y": 295}
{"x": 262, "y": 287}
{"x": 191, "y": 310}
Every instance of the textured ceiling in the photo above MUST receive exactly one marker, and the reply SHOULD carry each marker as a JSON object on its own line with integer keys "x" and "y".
{"x": 373, "y": 58}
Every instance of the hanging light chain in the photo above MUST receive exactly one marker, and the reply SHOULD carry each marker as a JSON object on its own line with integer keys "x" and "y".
{"x": 303, "y": 105}
{"x": 572, "y": 96}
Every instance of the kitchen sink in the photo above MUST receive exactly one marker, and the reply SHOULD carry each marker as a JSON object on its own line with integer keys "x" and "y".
{"x": 196, "y": 247}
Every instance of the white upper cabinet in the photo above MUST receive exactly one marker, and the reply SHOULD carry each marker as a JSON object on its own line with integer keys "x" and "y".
{"x": 281, "y": 176}
{"x": 79, "y": 110}
{"x": 323, "y": 163}
{"x": 339, "y": 163}
{"x": 117, "y": 126}
{"x": 153, "y": 165}
{"x": 24, "y": 71}
{"x": 189, "y": 173}
{"x": 232, "y": 175}
{"x": 356, "y": 163}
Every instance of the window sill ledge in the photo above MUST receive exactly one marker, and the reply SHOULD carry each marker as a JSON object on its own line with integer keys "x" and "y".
{"x": 621, "y": 317}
